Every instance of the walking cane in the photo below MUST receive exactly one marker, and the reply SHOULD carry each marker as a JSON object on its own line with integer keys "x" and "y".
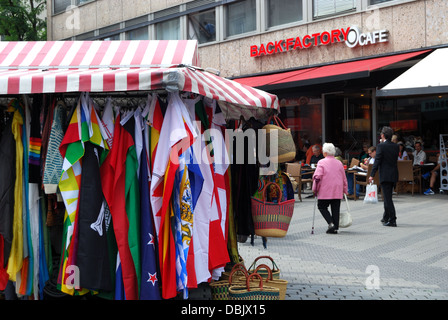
{"x": 314, "y": 213}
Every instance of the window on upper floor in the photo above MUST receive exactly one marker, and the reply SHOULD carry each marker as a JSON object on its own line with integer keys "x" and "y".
{"x": 323, "y": 8}
{"x": 371, "y": 2}
{"x": 240, "y": 17}
{"x": 283, "y": 11}
{"x": 78, "y": 2}
{"x": 168, "y": 30}
{"x": 138, "y": 34}
{"x": 202, "y": 26}
{"x": 61, "y": 5}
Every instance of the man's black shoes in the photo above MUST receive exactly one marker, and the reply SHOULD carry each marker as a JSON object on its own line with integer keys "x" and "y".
{"x": 390, "y": 224}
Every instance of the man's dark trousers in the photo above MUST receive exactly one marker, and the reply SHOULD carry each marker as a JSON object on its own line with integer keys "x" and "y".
{"x": 389, "y": 208}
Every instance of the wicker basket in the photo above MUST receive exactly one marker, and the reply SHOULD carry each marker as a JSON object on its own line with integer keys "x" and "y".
{"x": 252, "y": 291}
{"x": 286, "y": 148}
{"x": 220, "y": 289}
{"x": 226, "y": 274}
{"x": 271, "y": 219}
{"x": 275, "y": 271}
{"x": 269, "y": 281}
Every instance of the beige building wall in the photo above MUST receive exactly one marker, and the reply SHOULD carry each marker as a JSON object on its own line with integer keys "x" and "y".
{"x": 411, "y": 25}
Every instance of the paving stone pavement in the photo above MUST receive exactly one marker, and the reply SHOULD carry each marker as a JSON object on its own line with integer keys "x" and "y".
{"x": 366, "y": 261}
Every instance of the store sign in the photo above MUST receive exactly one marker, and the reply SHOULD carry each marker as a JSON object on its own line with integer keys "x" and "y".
{"x": 434, "y": 105}
{"x": 352, "y": 37}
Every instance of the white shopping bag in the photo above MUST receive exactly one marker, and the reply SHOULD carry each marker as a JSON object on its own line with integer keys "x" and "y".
{"x": 371, "y": 194}
{"x": 345, "y": 218}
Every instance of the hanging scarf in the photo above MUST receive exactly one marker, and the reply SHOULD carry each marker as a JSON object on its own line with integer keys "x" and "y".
{"x": 15, "y": 261}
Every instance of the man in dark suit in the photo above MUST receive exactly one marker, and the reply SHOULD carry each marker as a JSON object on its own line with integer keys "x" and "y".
{"x": 386, "y": 163}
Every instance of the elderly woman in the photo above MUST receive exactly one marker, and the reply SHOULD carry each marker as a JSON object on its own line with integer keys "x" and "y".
{"x": 329, "y": 185}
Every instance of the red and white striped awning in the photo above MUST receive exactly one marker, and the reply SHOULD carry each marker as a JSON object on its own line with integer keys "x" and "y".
{"x": 111, "y": 66}
{"x": 97, "y": 54}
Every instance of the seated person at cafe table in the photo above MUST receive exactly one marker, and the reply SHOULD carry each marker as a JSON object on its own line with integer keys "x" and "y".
{"x": 432, "y": 176}
{"x": 364, "y": 166}
{"x": 317, "y": 155}
{"x": 419, "y": 155}
{"x": 421, "y": 167}
{"x": 402, "y": 154}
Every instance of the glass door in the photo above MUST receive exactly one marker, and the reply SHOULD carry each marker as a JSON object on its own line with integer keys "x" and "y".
{"x": 348, "y": 122}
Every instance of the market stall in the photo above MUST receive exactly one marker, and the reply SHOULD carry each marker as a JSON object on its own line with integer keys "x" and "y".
{"x": 108, "y": 137}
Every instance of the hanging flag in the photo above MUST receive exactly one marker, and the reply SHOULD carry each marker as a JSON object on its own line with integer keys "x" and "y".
{"x": 92, "y": 252}
{"x": 43, "y": 266}
{"x": 115, "y": 188}
{"x": 108, "y": 123}
{"x": 202, "y": 198}
{"x": 149, "y": 288}
{"x": 119, "y": 285}
{"x": 218, "y": 240}
{"x": 214, "y": 246}
{"x": 174, "y": 139}
{"x": 183, "y": 222}
{"x": 15, "y": 260}
{"x": 155, "y": 121}
{"x": 8, "y": 177}
{"x": 132, "y": 196}
{"x": 72, "y": 150}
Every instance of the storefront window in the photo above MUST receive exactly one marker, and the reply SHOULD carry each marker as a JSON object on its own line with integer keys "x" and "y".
{"x": 322, "y": 8}
{"x": 168, "y": 30}
{"x": 202, "y": 26}
{"x": 283, "y": 11}
{"x": 303, "y": 115}
{"x": 423, "y": 118}
{"x": 138, "y": 34}
{"x": 348, "y": 121}
{"x": 241, "y": 17}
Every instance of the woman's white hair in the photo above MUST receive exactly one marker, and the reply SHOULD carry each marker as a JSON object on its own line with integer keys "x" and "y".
{"x": 329, "y": 149}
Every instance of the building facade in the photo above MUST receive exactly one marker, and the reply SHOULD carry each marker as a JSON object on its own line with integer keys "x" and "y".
{"x": 325, "y": 59}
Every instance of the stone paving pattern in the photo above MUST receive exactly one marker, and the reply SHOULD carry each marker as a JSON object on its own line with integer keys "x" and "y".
{"x": 366, "y": 261}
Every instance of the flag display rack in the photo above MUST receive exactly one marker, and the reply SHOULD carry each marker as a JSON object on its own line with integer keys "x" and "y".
{"x": 116, "y": 148}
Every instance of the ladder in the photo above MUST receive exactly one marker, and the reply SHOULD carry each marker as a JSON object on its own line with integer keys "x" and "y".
{"x": 443, "y": 162}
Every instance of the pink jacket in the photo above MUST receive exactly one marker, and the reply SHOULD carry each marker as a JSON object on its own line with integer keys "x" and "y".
{"x": 329, "y": 179}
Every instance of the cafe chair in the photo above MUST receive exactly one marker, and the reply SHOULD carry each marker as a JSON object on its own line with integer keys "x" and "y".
{"x": 293, "y": 170}
{"x": 303, "y": 181}
{"x": 417, "y": 171}
{"x": 406, "y": 173}
{"x": 354, "y": 162}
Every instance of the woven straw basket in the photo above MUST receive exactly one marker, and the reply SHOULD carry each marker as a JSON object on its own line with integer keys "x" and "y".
{"x": 285, "y": 143}
{"x": 276, "y": 283}
{"x": 220, "y": 289}
{"x": 252, "y": 291}
{"x": 275, "y": 271}
{"x": 271, "y": 219}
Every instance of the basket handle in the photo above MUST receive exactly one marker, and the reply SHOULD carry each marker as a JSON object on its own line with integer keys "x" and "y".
{"x": 263, "y": 266}
{"x": 279, "y": 191}
{"x": 260, "y": 284}
{"x": 274, "y": 265}
{"x": 277, "y": 121}
{"x": 237, "y": 267}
